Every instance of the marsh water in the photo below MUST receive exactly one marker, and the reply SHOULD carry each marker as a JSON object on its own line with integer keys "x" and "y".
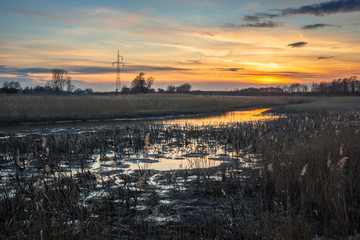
{"x": 169, "y": 157}
{"x": 183, "y": 120}
{"x": 180, "y": 151}
{"x": 164, "y": 155}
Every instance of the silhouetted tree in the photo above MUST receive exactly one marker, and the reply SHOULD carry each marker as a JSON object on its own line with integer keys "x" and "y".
{"x": 79, "y": 91}
{"x": 140, "y": 85}
{"x": 171, "y": 89}
{"x": 11, "y": 87}
{"x": 295, "y": 87}
{"x": 184, "y": 88}
{"x": 60, "y": 81}
{"x": 341, "y": 86}
{"x": 125, "y": 90}
{"x": 314, "y": 87}
{"x": 268, "y": 91}
{"x": 304, "y": 88}
{"x": 160, "y": 90}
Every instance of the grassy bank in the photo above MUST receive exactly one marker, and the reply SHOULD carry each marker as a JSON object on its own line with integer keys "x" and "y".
{"x": 20, "y": 108}
{"x": 318, "y": 104}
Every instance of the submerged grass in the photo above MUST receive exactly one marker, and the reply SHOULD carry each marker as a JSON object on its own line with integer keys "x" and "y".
{"x": 20, "y": 108}
{"x": 296, "y": 177}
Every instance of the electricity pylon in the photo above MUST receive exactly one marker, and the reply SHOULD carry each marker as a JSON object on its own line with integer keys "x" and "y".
{"x": 118, "y": 63}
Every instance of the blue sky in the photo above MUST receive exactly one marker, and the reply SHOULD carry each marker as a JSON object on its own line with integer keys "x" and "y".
{"x": 210, "y": 44}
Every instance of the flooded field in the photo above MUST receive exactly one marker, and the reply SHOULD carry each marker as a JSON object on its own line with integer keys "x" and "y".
{"x": 178, "y": 178}
{"x": 160, "y": 145}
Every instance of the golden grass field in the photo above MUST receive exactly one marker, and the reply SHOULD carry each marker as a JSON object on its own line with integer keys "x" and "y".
{"x": 18, "y": 108}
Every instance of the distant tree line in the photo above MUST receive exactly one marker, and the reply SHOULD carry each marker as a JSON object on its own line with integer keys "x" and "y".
{"x": 61, "y": 84}
{"x": 341, "y": 86}
{"x": 184, "y": 88}
{"x": 11, "y": 87}
{"x": 142, "y": 85}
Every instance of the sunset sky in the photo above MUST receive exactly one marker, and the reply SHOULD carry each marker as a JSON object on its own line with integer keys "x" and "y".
{"x": 211, "y": 44}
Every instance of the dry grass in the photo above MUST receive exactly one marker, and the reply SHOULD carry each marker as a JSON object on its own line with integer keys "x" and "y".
{"x": 312, "y": 175}
{"x": 19, "y": 108}
{"x": 319, "y": 104}
{"x": 306, "y": 184}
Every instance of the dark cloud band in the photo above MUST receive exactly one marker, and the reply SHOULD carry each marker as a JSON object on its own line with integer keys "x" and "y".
{"x": 268, "y": 24}
{"x": 297, "y": 44}
{"x": 229, "y": 69}
{"x": 324, "y": 8}
{"x": 87, "y": 69}
{"x": 318, "y": 25}
{"x": 318, "y": 9}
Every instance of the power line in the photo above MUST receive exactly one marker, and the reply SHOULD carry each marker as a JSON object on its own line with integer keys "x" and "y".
{"x": 118, "y": 63}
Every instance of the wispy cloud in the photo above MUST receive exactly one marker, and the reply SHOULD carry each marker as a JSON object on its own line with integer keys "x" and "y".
{"x": 268, "y": 24}
{"x": 324, "y": 8}
{"x": 24, "y": 72}
{"x": 228, "y": 69}
{"x": 297, "y": 44}
{"x": 258, "y": 17}
{"x": 318, "y": 25}
{"x": 211, "y": 34}
{"x": 204, "y": 51}
{"x": 127, "y": 69}
{"x": 325, "y": 57}
{"x": 78, "y": 70}
{"x": 24, "y": 81}
{"x": 285, "y": 74}
{"x": 39, "y": 14}
{"x": 191, "y": 62}
{"x": 318, "y": 9}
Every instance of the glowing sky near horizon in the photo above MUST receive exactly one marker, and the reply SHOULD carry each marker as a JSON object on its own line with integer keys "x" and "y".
{"x": 211, "y": 44}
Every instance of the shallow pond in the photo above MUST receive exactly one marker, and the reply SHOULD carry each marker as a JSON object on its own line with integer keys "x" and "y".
{"x": 144, "y": 159}
{"x": 127, "y": 150}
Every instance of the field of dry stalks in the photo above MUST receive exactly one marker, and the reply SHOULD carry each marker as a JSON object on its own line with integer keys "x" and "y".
{"x": 296, "y": 177}
{"x": 28, "y": 108}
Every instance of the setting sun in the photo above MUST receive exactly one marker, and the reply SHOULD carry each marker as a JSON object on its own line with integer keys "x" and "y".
{"x": 214, "y": 45}
{"x": 272, "y": 80}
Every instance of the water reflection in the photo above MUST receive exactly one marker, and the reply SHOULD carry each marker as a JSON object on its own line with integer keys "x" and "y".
{"x": 225, "y": 118}
{"x": 179, "y": 151}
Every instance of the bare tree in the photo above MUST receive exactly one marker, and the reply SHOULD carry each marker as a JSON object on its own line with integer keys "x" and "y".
{"x": 149, "y": 82}
{"x": 295, "y": 87}
{"x": 60, "y": 80}
{"x": 314, "y": 87}
{"x": 304, "y": 88}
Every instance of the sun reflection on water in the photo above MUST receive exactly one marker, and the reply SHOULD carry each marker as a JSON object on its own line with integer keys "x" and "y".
{"x": 225, "y": 118}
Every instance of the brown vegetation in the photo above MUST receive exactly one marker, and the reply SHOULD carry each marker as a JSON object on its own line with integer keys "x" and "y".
{"x": 20, "y": 108}
{"x": 303, "y": 182}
